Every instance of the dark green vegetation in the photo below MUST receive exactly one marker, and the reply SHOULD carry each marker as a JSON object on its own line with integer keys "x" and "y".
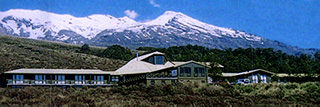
{"x": 240, "y": 60}
{"x": 18, "y": 53}
{"x": 292, "y": 94}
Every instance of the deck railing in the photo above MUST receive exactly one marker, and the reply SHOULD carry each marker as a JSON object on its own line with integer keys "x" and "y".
{"x": 57, "y": 82}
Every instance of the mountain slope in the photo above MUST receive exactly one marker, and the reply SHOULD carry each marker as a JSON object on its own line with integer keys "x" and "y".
{"x": 169, "y": 29}
{"x": 18, "y": 53}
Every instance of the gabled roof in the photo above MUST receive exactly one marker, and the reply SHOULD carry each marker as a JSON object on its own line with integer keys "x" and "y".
{"x": 179, "y": 63}
{"x": 206, "y": 64}
{"x": 137, "y": 66}
{"x": 148, "y": 55}
{"x": 245, "y": 73}
{"x": 57, "y": 71}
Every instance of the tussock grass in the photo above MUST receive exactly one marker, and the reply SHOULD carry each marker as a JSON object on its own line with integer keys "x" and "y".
{"x": 164, "y": 95}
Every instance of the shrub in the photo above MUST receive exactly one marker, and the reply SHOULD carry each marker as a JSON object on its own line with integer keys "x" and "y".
{"x": 291, "y": 86}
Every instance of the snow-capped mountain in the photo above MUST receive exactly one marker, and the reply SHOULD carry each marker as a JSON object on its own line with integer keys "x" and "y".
{"x": 169, "y": 29}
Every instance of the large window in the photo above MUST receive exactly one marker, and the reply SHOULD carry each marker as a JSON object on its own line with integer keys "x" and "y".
{"x": 60, "y": 79}
{"x": 199, "y": 72}
{"x": 40, "y": 79}
{"x": 185, "y": 71}
{"x": 79, "y": 79}
{"x": 17, "y": 78}
{"x": 98, "y": 79}
{"x": 157, "y": 59}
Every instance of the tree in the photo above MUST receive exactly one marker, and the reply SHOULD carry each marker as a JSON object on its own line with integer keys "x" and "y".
{"x": 117, "y": 52}
{"x": 85, "y": 48}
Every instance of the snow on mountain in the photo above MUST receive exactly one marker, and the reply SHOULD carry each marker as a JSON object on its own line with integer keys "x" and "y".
{"x": 88, "y": 27}
{"x": 169, "y": 29}
{"x": 169, "y": 16}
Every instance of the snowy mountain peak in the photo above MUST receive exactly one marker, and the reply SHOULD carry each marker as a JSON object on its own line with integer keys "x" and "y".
{"x": 166, "y": 17}
{"x": 173, "y": 13}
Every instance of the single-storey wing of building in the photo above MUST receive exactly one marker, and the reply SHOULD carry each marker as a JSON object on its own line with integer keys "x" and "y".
{"x": 253, "y": 76}
{"x": 264, "y": 76}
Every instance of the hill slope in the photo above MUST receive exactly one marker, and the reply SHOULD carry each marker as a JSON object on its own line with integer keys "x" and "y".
{"x": 18, "y": 53}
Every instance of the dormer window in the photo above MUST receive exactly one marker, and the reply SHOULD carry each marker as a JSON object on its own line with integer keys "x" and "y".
{"x": 159, "y": 60}
{"x": 156, "y": 59}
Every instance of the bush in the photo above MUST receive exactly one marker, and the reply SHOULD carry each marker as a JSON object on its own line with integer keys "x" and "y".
{"x": 163, "y": 95}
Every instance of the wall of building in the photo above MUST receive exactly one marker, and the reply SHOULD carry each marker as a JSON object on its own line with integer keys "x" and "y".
{"x": 199, "y": 78}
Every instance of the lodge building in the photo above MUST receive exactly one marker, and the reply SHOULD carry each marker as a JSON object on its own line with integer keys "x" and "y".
{"x": 151, "y": 69}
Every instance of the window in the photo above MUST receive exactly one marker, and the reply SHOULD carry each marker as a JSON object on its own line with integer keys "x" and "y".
{"x": 39, "y": 79}
{"x": 79, "y": 77}
{"x": 98, "y": 79}
{"x": 200, "y": 72}
{"x": 196, "y": 73}
{"x": 60, "y": 79}
{"x": 159, "y": 60}
{"x": 163, "y": 82}
{"x": 185, "y": 70}
{"x": 264, "y": 78}
{"x": 255, "y": 78}
{"x": 115, "y": 78}
{"x": 151, "y": 59}
{"x": 152, "y": 82}
{"x": 181, "y": 72}
{"x": 17, "y": 78}
{"x": 174, "y": 72}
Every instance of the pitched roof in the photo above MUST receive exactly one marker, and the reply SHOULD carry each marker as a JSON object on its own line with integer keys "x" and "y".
{"x": 179, "y": 63}
{"x": 296, "y": 75}
{"x": 137, "y": 66}
{"x": 245, "y": 73}
{"x": 57, "y": 71}
{"x": 207, "y": 64}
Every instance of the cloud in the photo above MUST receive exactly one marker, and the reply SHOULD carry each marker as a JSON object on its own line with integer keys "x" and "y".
{"x": 131, "y": 14}
{"x": 154, "y": 4}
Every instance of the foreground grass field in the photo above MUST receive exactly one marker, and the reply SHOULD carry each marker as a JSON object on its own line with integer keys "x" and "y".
{"x": 291, "y": 94}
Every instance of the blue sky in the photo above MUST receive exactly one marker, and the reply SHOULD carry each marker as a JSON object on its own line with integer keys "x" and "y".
{"x": 294, "y": 22}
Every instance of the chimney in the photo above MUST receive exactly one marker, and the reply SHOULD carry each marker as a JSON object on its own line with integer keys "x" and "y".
{"x": 137, "y": 56}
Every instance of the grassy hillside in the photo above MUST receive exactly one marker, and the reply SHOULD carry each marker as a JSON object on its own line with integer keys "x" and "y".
{"x": 18, "y": 53}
